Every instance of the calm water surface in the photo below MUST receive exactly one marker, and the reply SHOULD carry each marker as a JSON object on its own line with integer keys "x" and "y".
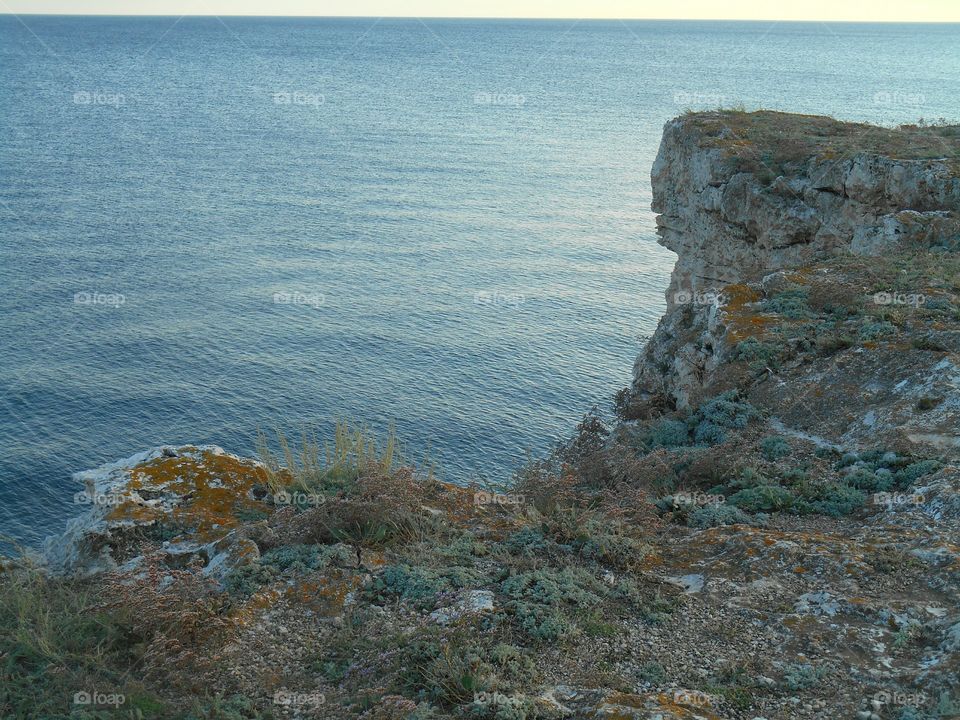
{"x": 209, "y": 225}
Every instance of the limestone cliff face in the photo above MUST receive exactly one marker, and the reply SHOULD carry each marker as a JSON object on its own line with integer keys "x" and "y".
{"x": 728, "y": 214}
{"x": 753, "y": 203}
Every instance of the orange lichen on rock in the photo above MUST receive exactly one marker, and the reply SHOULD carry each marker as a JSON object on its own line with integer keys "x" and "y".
{"x": 741, "y": 318}
{"x": 326, "y": 595}
{"x": 211, "y": 490}
{"x": 261, "y": 600}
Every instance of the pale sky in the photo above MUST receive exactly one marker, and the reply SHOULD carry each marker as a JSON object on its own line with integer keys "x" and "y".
{"x": 856, "y": 10}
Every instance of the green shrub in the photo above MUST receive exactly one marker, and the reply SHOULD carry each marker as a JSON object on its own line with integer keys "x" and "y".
{"x": 235, "y": 707}
{"x": 54, "y": 643}
{"x": 419, "y": 585}
{"x": 914, "y": 471}
{"x": 669, "y": 434}
{"x": 874, "y": 330}
{"x": 708, "y": 433}
{"x": 653, "y": 673}
{"x": 540, "y": 600}
{"x": 846, "y": 460}
{"x": 301, "y": 558}
{"x": 774, "y": 447}
{"x": 528, "y": 541}
{"x": 457, "y": 670}
{"x": 595, "y": 625}
{"x": 765, "y": 498}
{"x": 443, "y": 670}
{"x": 658, "y": 609}
{"x": 727, "y": 410}
{"x": 838, "y": 499}
{"x": 610, "y": 545}
{"x": 572, "y": 586}
{"x": 791, "y": 304}
{"x": 724, "y": 412}
{"x": 705, "y": 426}
{"x": 542, "y": 623}
{"x": 828, "y": 343}
{"x": 867, "y": 481}
{"x": 804, "y": 676}
{"x": 717, "y": 514}
{"x": 758, "y": 354}
{"x": 244, "y": 580}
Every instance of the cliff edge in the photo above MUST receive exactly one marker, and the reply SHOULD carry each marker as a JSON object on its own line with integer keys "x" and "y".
{"x": 822, "y": 254}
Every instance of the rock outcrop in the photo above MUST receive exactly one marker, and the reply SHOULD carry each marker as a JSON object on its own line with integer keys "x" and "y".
{"x": 733, "y": 207}
{"x": 195, "y": 499}
{"x": 761, "y": 205}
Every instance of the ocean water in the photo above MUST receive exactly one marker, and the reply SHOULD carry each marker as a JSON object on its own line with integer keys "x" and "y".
{"x": 209, "y": 225}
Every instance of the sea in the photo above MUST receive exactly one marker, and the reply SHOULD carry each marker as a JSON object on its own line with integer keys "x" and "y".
{"x": 214, "y": 225}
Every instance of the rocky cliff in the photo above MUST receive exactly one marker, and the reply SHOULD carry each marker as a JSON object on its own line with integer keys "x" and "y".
{"x": 840, "y": 225}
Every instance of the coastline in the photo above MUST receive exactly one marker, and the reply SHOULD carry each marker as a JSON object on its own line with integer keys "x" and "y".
{"x": 770, "y": 529}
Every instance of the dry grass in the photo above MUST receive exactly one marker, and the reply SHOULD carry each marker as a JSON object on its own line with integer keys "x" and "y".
{"x": 354, "y": 452}
{"x": 789, "y": 139}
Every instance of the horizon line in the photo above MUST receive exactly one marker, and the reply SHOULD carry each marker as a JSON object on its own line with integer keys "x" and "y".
{"x": 476, "y": 17}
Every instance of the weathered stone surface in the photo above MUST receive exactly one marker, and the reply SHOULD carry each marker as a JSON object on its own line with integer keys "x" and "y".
{"x": 199, "y": 495}
{"x": 747, "y": 220}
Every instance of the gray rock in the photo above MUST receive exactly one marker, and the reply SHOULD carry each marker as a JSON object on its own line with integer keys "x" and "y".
{"x": 470, "y": 603}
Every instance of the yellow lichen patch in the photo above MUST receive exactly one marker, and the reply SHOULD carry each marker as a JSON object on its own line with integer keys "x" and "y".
{"x": 261, "y": 600}
{"x": 799, "y": 276}
{"x": 374, "y": 558}
{"x": 326, "y": 595}
{"x": 211, "y": 489}
{"x": 739, "y": 296}
{"x": 742, "y": 320}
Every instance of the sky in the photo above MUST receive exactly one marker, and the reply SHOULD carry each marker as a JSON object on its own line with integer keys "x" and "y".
{"x": 839, "y": 10}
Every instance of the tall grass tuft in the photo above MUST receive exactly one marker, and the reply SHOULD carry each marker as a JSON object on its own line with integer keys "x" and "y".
{"x": 353, "y": 453}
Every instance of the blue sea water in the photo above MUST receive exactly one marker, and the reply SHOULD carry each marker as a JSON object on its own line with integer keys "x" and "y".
{"x": 209, "y": 225}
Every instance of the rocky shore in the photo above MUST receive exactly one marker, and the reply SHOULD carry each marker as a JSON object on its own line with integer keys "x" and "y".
{"x": 770, "y": 530}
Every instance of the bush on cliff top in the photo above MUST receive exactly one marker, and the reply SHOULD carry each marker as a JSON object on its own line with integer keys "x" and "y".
{"x": 705, "y": 426}
{"x": 792, "y": 304}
